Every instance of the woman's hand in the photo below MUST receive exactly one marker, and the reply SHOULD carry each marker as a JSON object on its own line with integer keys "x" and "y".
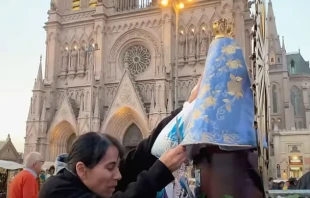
{"x": 174, "y": 158}
{"x": 194, "y": 92}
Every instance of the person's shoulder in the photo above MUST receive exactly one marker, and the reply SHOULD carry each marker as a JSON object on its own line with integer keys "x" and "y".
{"x": 60, "y": 186}
{"x": 24, "y": 174}
{"x": 53, "y": 181}
{"x": 50, "y": 185}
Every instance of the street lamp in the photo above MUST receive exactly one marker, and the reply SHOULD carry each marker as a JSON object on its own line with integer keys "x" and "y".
{"x": 177, "y": 5}
{"x": 90, "y": 49}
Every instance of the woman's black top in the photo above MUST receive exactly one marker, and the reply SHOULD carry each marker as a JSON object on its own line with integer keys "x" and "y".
{"x": 143, "y": 175}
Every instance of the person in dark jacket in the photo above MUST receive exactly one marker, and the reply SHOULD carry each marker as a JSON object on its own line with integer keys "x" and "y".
{"x": 93, "y": 171}
{"x": 92, "y": 167}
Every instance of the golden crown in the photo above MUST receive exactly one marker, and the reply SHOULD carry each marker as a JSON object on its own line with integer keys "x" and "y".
{"x": 223, "y": 28}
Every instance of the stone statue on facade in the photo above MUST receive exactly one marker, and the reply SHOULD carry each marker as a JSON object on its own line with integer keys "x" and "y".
{"x": 203, "y": 43}
{"x": 65, "y": 60}
{"x": 82, "y": 59}
{"x": 53, "y": 6}
{"x": 90, "y": 59}
{"x": 192, "y": 43}
{"x": 74, "y": 56}
{"x": 182, "y": 41}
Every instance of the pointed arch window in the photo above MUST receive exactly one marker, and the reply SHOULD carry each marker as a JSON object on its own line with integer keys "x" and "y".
{"x": 132, "y": 137}
{"x": 274, "y": 99}
{"x": 93, "y": 3}
{"x": 123, "y": 5}
{"x": 76, "y": 4}
{"x": 296, "y": 99}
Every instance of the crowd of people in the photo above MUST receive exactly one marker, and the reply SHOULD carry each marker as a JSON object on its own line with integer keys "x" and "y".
{"x": 287, "y": 185}
{"x": 302, "y": 183}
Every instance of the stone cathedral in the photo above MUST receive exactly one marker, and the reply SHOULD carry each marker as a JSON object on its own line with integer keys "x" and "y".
{"x": 110, "y": 67}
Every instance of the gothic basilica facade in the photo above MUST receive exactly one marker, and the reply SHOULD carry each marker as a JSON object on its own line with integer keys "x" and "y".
{"x": 110, "y": 67}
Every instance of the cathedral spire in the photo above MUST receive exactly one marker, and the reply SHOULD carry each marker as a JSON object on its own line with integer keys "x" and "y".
{"x": 8, "y": 138}
{"x": 283, "y": 44}
{"x": 284, "y": 66}
{"x": 30, "y": 110}
{"x": 38, "y": 85}
{"x": 274, "y": 41}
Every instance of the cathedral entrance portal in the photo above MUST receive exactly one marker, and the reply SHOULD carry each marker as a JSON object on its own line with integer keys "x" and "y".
{"x": 61, "y": 139}
{"x": 128, "y": 126}
{"x": 132, "y": 137}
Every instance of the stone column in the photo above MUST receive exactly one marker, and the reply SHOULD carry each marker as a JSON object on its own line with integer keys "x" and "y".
{"x": 305, "y": 88}
{"x": 288, "y": 107}
{"x": 168, "y": 45}
{"x": 42, "y": 148}
{"x": 277, "y": 152}
{"x": 240, "y": 30}
{"x": 52, "y": 47}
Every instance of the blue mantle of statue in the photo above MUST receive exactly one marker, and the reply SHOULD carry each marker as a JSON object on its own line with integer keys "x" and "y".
{"x": 223, "y": 112}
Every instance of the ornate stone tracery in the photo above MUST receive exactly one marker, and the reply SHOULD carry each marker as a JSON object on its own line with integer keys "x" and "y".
{"x": 136, "y": 33}
{"x": 138, "y": 59}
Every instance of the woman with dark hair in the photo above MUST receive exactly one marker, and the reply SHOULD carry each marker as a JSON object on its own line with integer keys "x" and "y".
{"x": 95, "y": 167}
{"x": 93, "y": 171}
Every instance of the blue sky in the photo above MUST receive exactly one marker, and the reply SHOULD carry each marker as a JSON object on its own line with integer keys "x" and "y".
{"x": 23, "y": 41}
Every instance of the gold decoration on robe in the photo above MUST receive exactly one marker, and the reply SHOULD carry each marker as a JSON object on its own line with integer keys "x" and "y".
{"x": 234, "y": 64}
{"x": 234, "y": 86}
{"x": 204, "y": 90}
{"x": 196, "y": 114}
{"x": 230, "y": 138}
{"x": 230, "y": 49}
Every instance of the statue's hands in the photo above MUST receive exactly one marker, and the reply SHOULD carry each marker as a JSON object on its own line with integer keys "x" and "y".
{"x": 194, "y": 92}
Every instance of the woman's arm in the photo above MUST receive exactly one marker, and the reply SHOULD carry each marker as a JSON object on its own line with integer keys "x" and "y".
{"x": 141, "y": 159}
{"x": 148, "y": 182}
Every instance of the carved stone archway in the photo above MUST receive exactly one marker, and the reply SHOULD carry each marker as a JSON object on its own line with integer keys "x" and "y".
{"x": 122, "y": 119}
{"x": 61, "y": 138}
{"x": 132, "y": 137}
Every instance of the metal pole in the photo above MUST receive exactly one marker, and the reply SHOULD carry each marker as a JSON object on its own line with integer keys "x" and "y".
{"x": 176, "y": 79}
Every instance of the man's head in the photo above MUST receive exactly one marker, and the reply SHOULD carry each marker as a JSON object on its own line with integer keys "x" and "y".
{"x": 292, "y": 181}
{"x": 270, "y": 180}
{"x": 52, "y": 170}
{"x": 34, "y": 162}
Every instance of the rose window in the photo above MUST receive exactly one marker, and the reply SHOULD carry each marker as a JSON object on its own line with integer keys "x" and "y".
{"x": 137, "y": 58}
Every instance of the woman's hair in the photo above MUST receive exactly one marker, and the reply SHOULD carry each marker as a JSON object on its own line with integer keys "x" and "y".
{"x": 90, "y": 148}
